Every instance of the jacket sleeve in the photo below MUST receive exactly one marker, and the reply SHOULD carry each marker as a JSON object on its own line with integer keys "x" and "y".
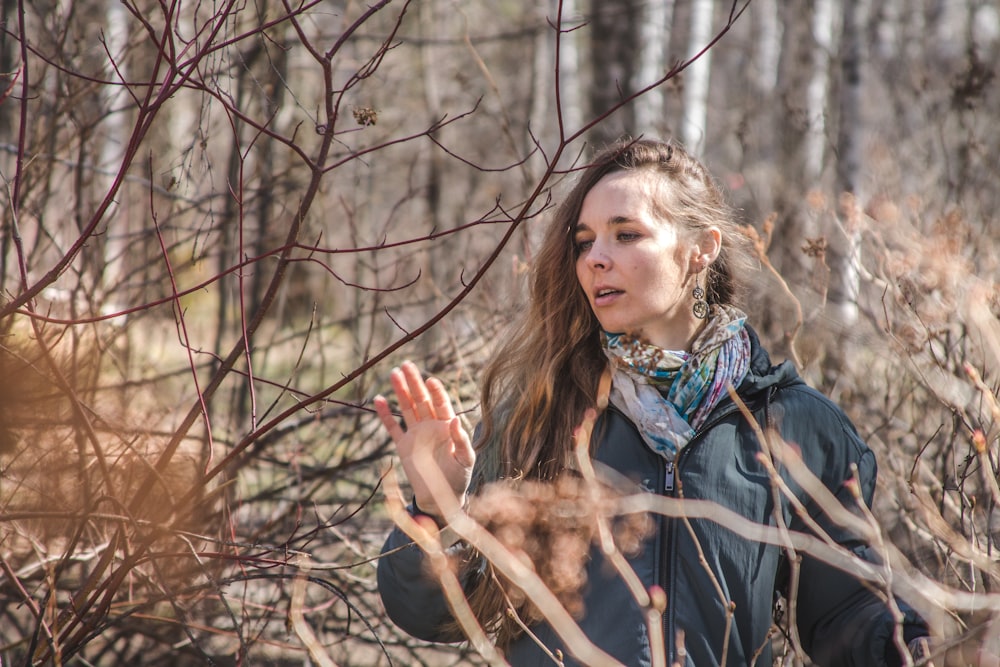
{"x": 410, "y": 593}
{"x": 840, "y": 620}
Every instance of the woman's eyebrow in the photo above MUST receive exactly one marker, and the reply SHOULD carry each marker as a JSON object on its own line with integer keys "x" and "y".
{"x": 614, "y": 220}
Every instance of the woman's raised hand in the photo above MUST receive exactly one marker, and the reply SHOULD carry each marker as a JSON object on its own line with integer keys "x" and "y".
{"x": 430, "y": 435}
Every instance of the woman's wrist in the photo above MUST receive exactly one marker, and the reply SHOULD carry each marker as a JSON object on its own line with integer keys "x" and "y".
{"x": 418, "y": 511}
{"x": 448, "y": 537}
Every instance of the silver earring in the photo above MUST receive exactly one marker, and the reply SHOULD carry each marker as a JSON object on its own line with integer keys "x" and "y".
{"x": 700, "y": 306}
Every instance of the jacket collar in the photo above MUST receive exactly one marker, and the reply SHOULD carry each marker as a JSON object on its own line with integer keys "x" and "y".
{"x": 763, "y": 376}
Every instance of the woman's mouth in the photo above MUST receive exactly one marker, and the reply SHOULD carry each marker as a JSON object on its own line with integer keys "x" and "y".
{"x": 606, "y": 295}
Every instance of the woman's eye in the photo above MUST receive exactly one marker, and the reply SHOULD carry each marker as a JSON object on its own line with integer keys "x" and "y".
{"x": 583, "y": 245}
{"x": 627, "y": 236}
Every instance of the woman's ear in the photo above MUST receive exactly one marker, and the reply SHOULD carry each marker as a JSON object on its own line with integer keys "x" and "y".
{"x": 707, "y": 247}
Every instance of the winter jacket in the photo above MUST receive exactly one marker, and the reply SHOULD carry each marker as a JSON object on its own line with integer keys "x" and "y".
{"x": 840, "y": 623}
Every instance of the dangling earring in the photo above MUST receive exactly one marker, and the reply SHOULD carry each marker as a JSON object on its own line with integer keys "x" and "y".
{"x": 700, "y": 306}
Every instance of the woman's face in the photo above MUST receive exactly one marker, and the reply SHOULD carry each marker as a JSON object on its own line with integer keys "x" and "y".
{"x": 636, "y": 268}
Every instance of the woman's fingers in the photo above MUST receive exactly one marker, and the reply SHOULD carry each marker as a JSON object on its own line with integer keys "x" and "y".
{"x": 411, "y": 393}
{"x": 387, "y": 418}
{"x": 430, "y": 440}
{"x": 418, "y": 400}
{"x": 419, "y": 395}
{"x": 440, "y": 401}
{"x": 403, "y": 397}
{"x": 423, "y": 401}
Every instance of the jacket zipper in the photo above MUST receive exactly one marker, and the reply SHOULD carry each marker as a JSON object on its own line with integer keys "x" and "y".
{"x": 671, "y": 473}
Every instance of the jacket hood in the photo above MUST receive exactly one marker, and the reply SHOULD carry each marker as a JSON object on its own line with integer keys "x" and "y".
{"x": 763, "y": 375}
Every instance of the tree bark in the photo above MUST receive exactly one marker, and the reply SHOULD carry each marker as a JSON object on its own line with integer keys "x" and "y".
{"x": 844, "y": 264}
{"x": 695, "y": 119}
{"x": 817, "y": 93}
{"x": 654, "y": 54}
{"x": 569, "y": 66}
{"x": 614, "y": 54}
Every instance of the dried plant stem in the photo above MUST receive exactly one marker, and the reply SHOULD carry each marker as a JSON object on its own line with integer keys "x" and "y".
{"x": 880, "y": 548}
{"x": 917, "y": 587}
{"x": 26, "y": 598}
{"x": 771, "y": 632}
{"x": 297, "y": 617}
{"x": 987, "y": 466}
{"x": 991, "y": 398}
{"x": 424, "y": 535}
{"x": 557, "y": 659}
{"x": 760, "y": 247}
{"x": 779, "y": 489}
{"x": 516, "y": 571}
{"x": 728, "y": 604}
{"x": 957, "y": 544}
{"x": 536, "y": 591}
{"x": 654, "y": 613}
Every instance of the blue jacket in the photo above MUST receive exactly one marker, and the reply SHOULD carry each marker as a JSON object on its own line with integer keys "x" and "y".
{"x": 840, "y": 622}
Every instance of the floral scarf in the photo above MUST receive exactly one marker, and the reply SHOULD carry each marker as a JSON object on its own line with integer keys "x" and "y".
{"x": 668, "y": 394}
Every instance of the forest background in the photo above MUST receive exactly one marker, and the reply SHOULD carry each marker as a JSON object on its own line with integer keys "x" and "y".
{"x": 224, "y": 222}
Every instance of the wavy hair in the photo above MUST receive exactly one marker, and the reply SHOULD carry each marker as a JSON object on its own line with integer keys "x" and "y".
{"x": 541, "y": 381}
{"x": 544, "y": 377}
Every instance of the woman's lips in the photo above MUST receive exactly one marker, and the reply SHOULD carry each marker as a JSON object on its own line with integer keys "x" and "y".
{"x": 606, "y": 296}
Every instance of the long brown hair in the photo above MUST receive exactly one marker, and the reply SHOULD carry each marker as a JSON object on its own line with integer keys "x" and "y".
{"x": 544, "y": 377}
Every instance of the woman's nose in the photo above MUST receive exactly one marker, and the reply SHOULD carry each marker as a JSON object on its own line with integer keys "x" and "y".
{"x": 597, "y": 258}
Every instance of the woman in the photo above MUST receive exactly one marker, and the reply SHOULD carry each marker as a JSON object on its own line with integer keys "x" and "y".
{"x": 637, "y": 280}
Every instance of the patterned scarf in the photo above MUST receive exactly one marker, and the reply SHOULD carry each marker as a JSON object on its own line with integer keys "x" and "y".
{"x": 668, "y": 394}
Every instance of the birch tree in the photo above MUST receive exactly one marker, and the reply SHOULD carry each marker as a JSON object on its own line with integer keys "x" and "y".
{"x": 845, "y": 262}
{"x": 564, "y": 17}
{"x": 655, "y": 24}
{"x": 767, "y": 44}
{"x": 818, "y": 89}
{"x": 694, "y": 121}
{"x": 280, "y": 201}
{"x": 570, "y": 71}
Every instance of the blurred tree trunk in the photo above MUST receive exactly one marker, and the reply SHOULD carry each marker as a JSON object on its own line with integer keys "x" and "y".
{"x": 100, "y": 134}
{"x": 818, "y": 218}
{"x": 253, "y": 184}
{"x": 543, "y": 121}
{"x": 432, "y": 16}
{"x": 845, "y": 260}
{"x": 10, "y": 65}
{"x": 267, "y": 187}
{"x": 269, "y": 182}
{"x": 767, "y": 43}
{"x": 542, "y": 75}
{"x": 696, "y": 78}
{"x": 786, "y": 126}
{"x": 569, "y": 66}
{"x": 790, "y": 129}
{"x": 762, "y": 139}
{"x": 654, "y": 54}
{"x": 117, "y": 267}
{"x": 818, "y": 91}
{"x": 614, "y": 56}
{"x": 949, "y": 21}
